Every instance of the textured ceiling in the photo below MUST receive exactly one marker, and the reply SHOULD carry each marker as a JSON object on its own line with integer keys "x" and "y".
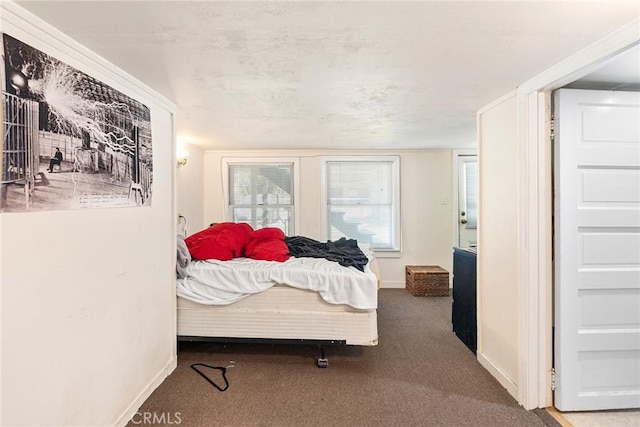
{"x": 260, "y": 75}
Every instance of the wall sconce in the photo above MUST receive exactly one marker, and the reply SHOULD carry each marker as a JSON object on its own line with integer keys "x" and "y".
{"x": 181, "y": 156}
{"x": 182, "y": 160}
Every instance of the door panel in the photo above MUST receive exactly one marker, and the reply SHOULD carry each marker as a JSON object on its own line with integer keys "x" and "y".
{"x": 627, "y": 305}
{"x": 597, "y": 250}
{"x": 602, "y": 249}
{"x": 610, "y": 125}
{"x": 610, "y": 185}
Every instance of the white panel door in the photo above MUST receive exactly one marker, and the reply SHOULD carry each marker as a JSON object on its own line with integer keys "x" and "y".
{"x": 597, "y": 250}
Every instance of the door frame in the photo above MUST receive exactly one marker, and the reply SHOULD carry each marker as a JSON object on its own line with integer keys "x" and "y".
{"x": 457, "y": 153}
{"x": 535, "y": 202}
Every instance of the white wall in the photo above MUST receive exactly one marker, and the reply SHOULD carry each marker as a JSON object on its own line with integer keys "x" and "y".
{"x": 190, "y": 189}
{"x": 88, "y": 296}
{"x": 497, "y": 242}
{"x": 427, "y": 225}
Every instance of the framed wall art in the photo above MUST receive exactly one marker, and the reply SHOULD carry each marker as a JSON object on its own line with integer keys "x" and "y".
{"x": 70, "y": 141}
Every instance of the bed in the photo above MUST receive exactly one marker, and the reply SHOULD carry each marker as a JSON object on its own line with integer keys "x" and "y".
{"x": 300, "y": 300}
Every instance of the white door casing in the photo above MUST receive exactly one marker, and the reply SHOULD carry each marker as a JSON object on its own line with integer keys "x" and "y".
{"x": 597, "y": 250}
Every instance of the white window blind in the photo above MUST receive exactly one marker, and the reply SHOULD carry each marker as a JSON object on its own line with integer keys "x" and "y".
{"x": 262, "y": 195}
{"x": 362, "y": 200}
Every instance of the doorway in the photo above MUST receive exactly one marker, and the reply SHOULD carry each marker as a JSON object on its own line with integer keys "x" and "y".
{"x": 466, "y": 211}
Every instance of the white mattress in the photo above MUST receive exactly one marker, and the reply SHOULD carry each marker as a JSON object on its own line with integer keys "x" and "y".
{"x": 281, "y": 312}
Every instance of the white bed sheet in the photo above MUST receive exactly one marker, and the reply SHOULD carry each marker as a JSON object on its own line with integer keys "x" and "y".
{"x": 213, "y": 282}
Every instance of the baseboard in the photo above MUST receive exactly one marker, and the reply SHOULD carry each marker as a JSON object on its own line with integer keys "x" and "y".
{"x": 146, "y": 392}
{"x": 511, "y": 387}
{"x": 396, "y": 284}
{"x": 392, "y": 284}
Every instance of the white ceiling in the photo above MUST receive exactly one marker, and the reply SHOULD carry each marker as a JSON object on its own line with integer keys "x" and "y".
{"x": 262, "y": 75}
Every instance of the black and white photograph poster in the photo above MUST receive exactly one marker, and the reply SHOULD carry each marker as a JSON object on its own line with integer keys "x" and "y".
{"x": 69, "y": 140}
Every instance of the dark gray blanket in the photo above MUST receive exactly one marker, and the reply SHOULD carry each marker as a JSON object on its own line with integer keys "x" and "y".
{"x": 343, "y": 251}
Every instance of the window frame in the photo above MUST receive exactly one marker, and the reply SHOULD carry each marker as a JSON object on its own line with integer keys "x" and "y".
{"x": 262, "y": 161}
{"x": 396, "y": 230}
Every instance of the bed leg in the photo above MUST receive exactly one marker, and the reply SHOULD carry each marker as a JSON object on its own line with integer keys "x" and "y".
{"x": 322, "y": 361}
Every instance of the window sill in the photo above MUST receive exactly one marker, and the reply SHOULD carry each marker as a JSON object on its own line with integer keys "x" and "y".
{"x": 387, "y": 254}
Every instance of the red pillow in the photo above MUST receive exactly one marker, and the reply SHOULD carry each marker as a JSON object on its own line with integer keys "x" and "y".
{"x": 267, "y": 233}
{"x": 223, "y": 241}
{"x": 267, "y": 244}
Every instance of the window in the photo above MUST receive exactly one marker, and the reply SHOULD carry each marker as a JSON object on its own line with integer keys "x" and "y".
{"x": 362, "y": 200}
{"x": 261, "y": 193}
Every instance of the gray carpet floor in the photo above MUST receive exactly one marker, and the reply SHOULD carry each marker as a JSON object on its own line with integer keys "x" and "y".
{"x": 420, "y": 374}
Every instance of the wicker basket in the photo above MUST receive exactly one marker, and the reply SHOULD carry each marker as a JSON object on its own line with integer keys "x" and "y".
{"x": 427, "y": 281}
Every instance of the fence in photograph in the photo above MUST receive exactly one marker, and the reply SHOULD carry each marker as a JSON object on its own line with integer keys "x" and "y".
{"x": 20, "y": 150}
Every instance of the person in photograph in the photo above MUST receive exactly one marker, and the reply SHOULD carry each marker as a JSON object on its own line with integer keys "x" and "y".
{"x": 55, "y": 160}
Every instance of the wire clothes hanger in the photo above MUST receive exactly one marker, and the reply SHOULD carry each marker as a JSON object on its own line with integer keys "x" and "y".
{"x": 219, "y": 368}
